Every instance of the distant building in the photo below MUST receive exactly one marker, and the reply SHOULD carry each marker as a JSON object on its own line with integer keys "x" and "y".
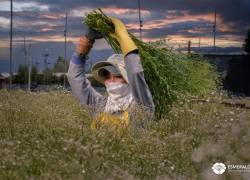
{"x": 235, "y": 70}
{"x": 58, "y": 75}
{"x": 4, "y": 80}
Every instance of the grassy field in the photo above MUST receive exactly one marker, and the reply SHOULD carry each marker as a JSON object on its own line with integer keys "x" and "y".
{"x": 47, "y": 135}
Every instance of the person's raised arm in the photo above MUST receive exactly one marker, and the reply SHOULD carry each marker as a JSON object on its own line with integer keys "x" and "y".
{"x": 134, "y": 68}
{"x": 80, "y": 85}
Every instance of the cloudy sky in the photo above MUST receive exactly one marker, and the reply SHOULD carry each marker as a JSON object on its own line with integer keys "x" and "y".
{"x": 42, "y": 21}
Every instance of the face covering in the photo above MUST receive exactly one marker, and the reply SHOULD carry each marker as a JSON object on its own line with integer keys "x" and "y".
{"x": 119, "y": 97}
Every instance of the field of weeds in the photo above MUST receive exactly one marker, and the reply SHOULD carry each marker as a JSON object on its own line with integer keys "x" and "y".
{"x": 48, "y": 136}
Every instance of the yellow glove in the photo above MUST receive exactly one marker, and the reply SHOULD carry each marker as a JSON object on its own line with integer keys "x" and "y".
{"x": 121, "y": 35}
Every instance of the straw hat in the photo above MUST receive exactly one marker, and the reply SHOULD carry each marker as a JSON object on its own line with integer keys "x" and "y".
{"x": 114, "y": 65}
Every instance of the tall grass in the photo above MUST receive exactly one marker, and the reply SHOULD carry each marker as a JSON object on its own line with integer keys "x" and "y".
{"x": 48, "y": 136}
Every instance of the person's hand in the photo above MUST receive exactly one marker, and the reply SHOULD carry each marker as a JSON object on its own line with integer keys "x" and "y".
{"x": 84, "y": 45}
{"x": 92, "y": 34}
{"x": 121, "y": 35}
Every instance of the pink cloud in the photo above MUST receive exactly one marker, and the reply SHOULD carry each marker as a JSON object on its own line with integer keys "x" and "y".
{"x": 53, "y": 16}
{"x": 172, "y": 18}
{"x": 125, "y": 12}
{"x": 120, "y": 11}
{"x": 46, "y": 29}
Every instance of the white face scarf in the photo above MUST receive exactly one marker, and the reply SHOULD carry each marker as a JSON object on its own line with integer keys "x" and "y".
{"x": 119, "y": 97}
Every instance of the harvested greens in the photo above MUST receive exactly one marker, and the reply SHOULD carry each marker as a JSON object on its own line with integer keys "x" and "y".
{"x": 169, "y": 75}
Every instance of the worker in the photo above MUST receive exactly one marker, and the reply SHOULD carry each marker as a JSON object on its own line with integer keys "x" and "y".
{"x": 122, "y": 75}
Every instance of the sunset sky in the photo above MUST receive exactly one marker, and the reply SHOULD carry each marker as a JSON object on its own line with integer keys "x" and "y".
{"x": 178, "y": 21}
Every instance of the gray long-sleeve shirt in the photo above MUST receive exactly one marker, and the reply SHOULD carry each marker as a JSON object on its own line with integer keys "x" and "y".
{"x": 87, "y": 95}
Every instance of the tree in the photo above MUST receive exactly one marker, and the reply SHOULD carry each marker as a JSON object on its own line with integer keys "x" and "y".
{"x": 34, "y": 74}
{"x": 22, "y": 74}
{"x": 21, "y": 77}
{"x": 47, "y": 76}
{"x": 247, "y": 42}
{"x": 59, "y": 65}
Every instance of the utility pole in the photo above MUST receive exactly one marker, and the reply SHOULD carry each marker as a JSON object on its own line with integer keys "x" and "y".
{"x": 45, "y": 55}
{"x": 189, "y": 47}
{"x": 30, "y": 66}
{"x": 140, "y": 21}
{"x": 25, "y": 58}
{"x": 179, "y": 47}
{"x": 65, "y": 50}
{"x": 199, "y": 44}
{"x": 11, "y": 33}
{"x": 214, "y": 27}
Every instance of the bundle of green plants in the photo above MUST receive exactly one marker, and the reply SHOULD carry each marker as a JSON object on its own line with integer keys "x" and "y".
{"x": 169, "y": 74}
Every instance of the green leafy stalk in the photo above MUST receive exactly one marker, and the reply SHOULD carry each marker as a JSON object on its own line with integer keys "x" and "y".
{"x": 169, "y": 75}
